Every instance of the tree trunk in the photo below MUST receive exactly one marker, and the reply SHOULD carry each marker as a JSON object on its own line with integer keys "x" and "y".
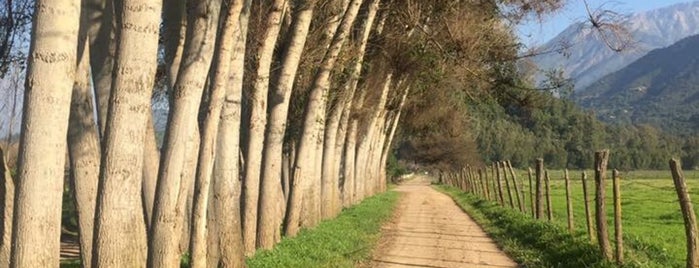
{"x": 120, "y": 231}
{"x": 278, "y": 111}
{"x": 270, "y": 189}
{"x": 101, "y": 33}
{"x": 315, "y": 116}
{"x": 7, "y": 195}
{"x": 191, "y": 78}
{"x": 83, "y": 148}
{"x": 342, "y": 139}
{"x": 49, "y": 79}
{"x": 151, "y": 162}
{"x": 174, "y": 35}
{"x": 387, "y": 148}
{"x": 227, "y": 184}
{"x": 207, "y": 152}
{"x": 329, "y": 175}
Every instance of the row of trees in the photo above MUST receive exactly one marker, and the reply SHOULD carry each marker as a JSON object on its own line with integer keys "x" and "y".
{"x": 281, "y": 114}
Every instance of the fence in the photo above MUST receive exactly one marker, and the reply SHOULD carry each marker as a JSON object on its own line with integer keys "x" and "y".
{"x": 499, "y": 183}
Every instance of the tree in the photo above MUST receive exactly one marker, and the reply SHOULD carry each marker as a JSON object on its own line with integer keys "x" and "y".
{"x": 120, "y": 230}
{"x": 256, "y": 131}
{"x": 49, "y": 80}
{"x": 83, "y": 145}
{"x": 227, "y": 183}
{"x": 202, "y": 24}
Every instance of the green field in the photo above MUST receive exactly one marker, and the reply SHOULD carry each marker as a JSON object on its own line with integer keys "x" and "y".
{"x": 652, "y": 222}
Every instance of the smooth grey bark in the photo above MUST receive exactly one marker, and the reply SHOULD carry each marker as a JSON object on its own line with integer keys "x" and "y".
{"x": 83, "y": 148}
{"x": 49, "y": 81}
{"x": 202, "y": 22}
{"x": 256, "y": 196}
{"x": 120, "y": 230}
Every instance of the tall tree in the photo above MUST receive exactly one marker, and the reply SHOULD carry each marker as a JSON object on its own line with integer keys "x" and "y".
{"x": 309, "y": 149}
{"x": 227, "y": 48}
{"x": 279, "y": 108}
{"x": 227, "y": 179}
{"x": 257, "y": 122}
{"x": 120, "y": 230}
{"x": 202, "y": 24}
{"x": 49, "y": 81}
{"x": 83, "y": 145}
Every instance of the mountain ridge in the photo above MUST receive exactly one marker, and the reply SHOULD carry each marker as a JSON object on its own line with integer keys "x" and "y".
{"x": 651, "y": 29}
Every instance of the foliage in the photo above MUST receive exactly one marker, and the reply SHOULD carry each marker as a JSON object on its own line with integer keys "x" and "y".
{"x": 529, "y": 125}
{"x": 658, "y": 89}
{"x": 530, "y": 242}
{"x": 341, "y": 242}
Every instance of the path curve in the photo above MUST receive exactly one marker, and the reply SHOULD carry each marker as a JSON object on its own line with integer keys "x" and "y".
{"x": 429, "y": 230}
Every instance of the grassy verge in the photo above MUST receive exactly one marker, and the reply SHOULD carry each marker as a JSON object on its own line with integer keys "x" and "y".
{"x": 341, "y": 242}
{"x": 530, "y": 242}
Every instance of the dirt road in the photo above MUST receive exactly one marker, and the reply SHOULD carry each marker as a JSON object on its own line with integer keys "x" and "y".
{"x": 430, "y": 230}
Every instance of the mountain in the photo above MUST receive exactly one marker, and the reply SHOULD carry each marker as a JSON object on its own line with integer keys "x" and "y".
{"x": 588, "y": 59}
{"x": 661, "y": 89}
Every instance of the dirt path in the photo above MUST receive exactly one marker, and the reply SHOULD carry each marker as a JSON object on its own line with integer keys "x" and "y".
{"x": 430, "y": 230}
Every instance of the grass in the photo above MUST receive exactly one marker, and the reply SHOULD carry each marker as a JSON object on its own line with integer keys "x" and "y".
{"x": 652, "y": 222}
{"x": 341, "y": 242}
{"x": 529, "y": 242}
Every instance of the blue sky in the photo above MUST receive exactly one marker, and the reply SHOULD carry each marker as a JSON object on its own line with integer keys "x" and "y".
{"x": 535, "y": 32}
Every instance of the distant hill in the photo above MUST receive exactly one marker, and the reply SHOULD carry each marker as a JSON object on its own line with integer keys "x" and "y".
{"x": 589, "y": 59}
{"x": 661, "y": 89}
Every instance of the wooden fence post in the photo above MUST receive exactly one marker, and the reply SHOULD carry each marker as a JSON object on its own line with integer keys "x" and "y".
{"x": 482, "y": 184}
{"x": 520, "y": 203}
{"x": 549, "y": 205}
{"x": 588, "y": 215}
{"x": 474, "y": 182}
{"x": 500, "y": 195}
{"x": 601, "y": 159}
{"x": 569, "y": 202}
{"x": 484, "y": 175}
{"x": 539, "y": 187}
{"x": 618, "y": 234}
{"x": 690, "y": 220}
{"x": 507, "y": 184}
{"x": 493, "y": 180}
{"x": 531, "y": 192}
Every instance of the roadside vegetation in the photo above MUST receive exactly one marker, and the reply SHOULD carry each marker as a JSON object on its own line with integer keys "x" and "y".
{"x": 341, "y": 242}
{"x": 529, "y": 242}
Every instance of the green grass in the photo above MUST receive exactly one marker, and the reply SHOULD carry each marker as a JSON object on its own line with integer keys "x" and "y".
{"x": 341, "y": 242}
{"x": 529, "y": 242}
{"x": 652, "y": 222}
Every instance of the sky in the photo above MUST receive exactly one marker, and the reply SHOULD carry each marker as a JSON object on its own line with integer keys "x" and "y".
{"x": 535, "y": 32}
